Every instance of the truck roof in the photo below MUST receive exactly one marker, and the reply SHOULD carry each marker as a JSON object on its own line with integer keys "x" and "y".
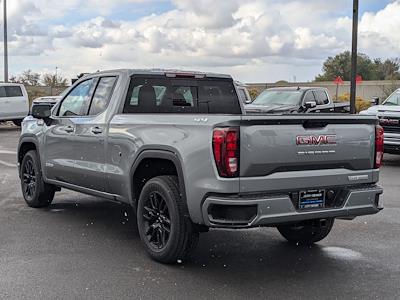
{"x": 130, "y": 72}
{"x": 297, "y": 88}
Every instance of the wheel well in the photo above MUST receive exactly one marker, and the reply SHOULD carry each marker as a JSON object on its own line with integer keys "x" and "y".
{"x": 24, "y": 148}
{"x": 150, "y": 168}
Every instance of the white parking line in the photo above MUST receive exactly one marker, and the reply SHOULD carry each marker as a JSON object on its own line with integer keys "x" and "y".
{"x": 7, "y": 164}
{"x": 7, "y": 152}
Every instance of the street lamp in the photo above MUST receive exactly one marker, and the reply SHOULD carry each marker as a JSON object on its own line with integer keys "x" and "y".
{"x": 5, "y": 41}
{"x": 354, "y": 59}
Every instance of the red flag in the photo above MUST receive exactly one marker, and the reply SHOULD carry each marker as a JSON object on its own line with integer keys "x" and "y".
{"x": 338, "y": 80}
{"x": 359, "y": 79}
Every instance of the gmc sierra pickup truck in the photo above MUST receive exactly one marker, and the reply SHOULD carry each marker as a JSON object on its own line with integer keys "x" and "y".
{"x": 178, "y": 148}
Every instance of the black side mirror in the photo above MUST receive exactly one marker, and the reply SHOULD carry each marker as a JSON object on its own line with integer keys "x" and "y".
{"x": 310, "y": 104}
{"x": 375, "y": 101}
{"x": 41, "y": 111}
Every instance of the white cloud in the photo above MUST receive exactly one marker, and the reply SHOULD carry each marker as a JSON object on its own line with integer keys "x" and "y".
{"x": 235, "y": 36}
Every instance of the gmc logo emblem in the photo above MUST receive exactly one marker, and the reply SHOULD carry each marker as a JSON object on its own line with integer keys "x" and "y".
{"x": 316, "y": 139}
{"x": 389, "y": 122}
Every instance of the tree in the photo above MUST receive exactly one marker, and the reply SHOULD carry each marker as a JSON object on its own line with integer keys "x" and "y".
{"x": 369, "y": 69}
{"x": 27, "y": 78}
{"x": 54, "y": 80}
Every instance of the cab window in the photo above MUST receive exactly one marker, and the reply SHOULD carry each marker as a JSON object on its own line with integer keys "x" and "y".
{"x": 102, "y": 95}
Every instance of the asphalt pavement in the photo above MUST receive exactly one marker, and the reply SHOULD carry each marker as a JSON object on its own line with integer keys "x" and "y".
{"x": 83, "y": 247}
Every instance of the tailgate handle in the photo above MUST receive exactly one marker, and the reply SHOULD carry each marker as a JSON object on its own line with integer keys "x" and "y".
{"x": 314, "y": 124}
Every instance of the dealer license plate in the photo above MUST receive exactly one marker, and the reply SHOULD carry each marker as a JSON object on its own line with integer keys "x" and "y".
{"x": 312, "y": 199}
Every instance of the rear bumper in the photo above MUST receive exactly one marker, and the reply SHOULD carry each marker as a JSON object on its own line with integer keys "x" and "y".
{"x": 277, "y": 209}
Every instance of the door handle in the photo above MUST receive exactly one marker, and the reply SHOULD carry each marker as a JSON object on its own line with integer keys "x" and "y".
{"x": 69, "y": 129}
{"x": 97, "y": 130}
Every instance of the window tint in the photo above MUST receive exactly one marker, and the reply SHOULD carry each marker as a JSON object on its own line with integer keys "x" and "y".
{"x": 172, "y": 95}
{"x": 102, "y": 95}
{"x": 309, "y": 97}
{"x": 77, "y": 100}
{"x": 13, "y": 91}
{"x": 2, "y": 91}
{"x": 321, "y": 97}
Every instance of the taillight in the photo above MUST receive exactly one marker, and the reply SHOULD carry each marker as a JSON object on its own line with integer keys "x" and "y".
{"x": 226, "y": 151}
{"x": 379, "y": 147}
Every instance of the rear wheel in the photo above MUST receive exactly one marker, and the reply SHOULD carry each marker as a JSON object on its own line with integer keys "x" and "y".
{"x": 306, "y": 232}
{"x": 164, "y": 226}
{"x": 17, "y": 122}
{"x": 35, "y": 191}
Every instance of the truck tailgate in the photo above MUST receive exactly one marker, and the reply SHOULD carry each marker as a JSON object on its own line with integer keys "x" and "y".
{"x": 282, "y": 144}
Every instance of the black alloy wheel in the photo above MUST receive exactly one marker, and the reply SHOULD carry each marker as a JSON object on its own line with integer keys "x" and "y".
{"x": 29, "y": 180}
{"x": 157, "y": 220}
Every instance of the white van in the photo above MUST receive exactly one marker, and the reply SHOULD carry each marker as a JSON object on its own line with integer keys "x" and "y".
{"x": 14, "y": 102}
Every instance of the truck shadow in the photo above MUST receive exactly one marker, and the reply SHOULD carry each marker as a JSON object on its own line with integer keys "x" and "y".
{"x": 251, "y": 259}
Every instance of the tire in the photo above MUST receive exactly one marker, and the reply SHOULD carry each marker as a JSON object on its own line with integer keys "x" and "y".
{"x": 165, "y": 228}
{"x": 307, "y": 232}
{"x": 17, "y": 122}
{"x": 36, "y": 192}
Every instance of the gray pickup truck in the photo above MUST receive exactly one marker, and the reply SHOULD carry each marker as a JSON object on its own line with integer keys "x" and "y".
{"x": 178, "y": 148}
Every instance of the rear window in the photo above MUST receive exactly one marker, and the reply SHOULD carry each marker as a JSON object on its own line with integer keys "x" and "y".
{"x": 10, "y": 91}
{"x": 181, "y": 95}
{"x": 13, "y": 91}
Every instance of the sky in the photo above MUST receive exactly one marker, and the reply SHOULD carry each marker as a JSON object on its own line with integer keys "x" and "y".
{"x": 253, "y": 40}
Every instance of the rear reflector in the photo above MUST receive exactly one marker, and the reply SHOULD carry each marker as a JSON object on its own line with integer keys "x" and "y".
{"x": 226, "y": 151}
{"x": 379, "y": 146}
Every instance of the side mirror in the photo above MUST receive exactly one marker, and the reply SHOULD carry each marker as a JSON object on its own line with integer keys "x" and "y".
{"x": 375, "y": 101}
{"x": 41, "y": 111}
{"x": 310, "y": 104}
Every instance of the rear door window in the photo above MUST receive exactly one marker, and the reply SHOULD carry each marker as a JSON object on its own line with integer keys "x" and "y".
{"x": 13, "y": 91}
{"x": 172, "y": 95}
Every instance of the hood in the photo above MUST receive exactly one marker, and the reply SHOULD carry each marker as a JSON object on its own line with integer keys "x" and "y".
{"x": 278, "y": 108}
{"x": 47, "y": 100}
{"x": 375, "y": 110}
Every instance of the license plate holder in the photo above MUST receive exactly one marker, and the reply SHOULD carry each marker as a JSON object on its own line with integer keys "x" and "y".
{"x": 312, "y": 199}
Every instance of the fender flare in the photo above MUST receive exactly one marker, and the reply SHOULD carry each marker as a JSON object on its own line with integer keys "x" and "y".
{"x": 159, "y": 154}
{"x": 28, "y": 139}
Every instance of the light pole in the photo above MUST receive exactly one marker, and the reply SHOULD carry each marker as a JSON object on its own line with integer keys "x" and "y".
{"x": 5, "y": 41}
{"x": 353, "y": 85}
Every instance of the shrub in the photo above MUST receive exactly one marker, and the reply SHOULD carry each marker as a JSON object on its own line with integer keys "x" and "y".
{"x": 254, "y": 93}
{"x": 361, "y": 104}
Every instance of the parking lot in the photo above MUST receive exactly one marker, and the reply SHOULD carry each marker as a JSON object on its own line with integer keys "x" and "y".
{"x": 85, "y": 247}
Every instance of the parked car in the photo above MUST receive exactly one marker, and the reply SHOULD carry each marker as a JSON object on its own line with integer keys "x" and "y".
{"x": 14, "y": 102}
{"x": 51, "y": 100}
{"x": 178, "y": 149}
{"x": 295, "y": 100}
{"x": 243, "y": 92}
{"x": 389, "y": 117}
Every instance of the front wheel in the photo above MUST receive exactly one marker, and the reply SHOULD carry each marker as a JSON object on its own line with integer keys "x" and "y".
{"x": 35, "y": 191}
{"x": 306, "y": 232}
{"x": 163, "y": 223}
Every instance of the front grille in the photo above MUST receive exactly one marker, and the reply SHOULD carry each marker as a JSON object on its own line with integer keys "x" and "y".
{"x": 392, "y": 129}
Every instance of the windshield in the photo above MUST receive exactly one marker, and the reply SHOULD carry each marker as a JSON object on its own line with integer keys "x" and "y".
{"x": 393, "y": 99}
{"x": 275, "y": 97}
